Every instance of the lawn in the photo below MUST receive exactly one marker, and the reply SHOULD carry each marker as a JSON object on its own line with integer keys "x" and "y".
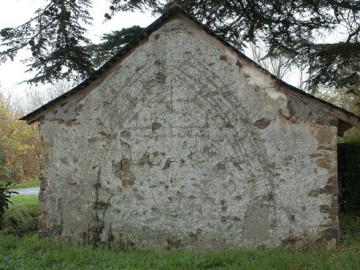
{"x": 22, "y": 216}
{"x": 26, "y": 202}
{"x": 32, "y": 253}
{"x": 20, "y": 248}
{"x": 28, "y": 184}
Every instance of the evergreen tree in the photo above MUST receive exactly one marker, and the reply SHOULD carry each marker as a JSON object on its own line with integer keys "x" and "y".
{"x": 57, "y": 36}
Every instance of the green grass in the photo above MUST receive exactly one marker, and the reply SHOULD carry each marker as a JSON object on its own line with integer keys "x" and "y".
{"x": 350, "y": 228}
{"x": 30, "y": 252}
{"x": 22, "y": 216}
{"x": 28, "y": 183}
{"x": 26, "y": 201}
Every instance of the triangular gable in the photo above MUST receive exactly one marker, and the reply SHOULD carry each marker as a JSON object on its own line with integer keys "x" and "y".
{"x": 345, "y": 119}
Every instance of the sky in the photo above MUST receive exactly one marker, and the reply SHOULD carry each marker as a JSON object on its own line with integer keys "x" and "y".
{"x": 16, "y": 12}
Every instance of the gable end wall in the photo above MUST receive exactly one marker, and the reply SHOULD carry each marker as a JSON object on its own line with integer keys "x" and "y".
{"x": 185, "y": 145}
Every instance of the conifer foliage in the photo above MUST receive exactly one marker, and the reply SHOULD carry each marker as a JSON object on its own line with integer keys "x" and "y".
{"x": 56, "y": 35}
{"x": 56, "y": 38}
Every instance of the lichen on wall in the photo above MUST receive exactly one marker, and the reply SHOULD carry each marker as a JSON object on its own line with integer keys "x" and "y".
{"x": 186, "y": 145}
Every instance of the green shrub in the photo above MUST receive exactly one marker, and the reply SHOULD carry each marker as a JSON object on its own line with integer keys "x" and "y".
{"x": 349, "y": 228}
{"x": 349, "y": 192}
{"x": 22, "y": 216}
{"x": 349, "y": 175}
{"x": 5, "y": 195}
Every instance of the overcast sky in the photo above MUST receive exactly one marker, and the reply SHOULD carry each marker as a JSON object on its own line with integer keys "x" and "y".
{"x": 16, "y": 12}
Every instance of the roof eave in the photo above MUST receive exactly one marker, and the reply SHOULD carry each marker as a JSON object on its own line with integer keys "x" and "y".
{"x": 171, "y": 13}
{"x": 349, "y": 119}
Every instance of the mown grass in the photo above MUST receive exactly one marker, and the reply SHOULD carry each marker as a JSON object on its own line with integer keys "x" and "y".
{"x": 28, "y": 183}
{"x": 30, "y": 252}
{"x": 28, "y": 202}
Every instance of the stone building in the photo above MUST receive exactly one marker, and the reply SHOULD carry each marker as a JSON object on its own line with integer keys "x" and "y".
{"x": 181, "y": 141}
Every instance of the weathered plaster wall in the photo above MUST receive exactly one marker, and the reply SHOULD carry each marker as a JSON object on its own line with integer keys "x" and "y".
{"x": 187, "y": 145}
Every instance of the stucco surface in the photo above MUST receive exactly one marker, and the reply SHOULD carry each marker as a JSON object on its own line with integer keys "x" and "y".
{"x": 186, "y": 145}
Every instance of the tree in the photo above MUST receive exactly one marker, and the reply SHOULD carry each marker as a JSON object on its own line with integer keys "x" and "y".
{"x": 19, "y": 145}
{"x": 56, "y": 38}
{"x": 57, "y": 35}
{"x": 35, "y": 98}
{"x": 278, "y": 66}
{"x": 346, "y": 101}
{"x": 281, "y": 66}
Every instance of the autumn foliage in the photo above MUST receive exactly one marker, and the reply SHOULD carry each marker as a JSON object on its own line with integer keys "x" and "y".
{"x": 19, "y": 145}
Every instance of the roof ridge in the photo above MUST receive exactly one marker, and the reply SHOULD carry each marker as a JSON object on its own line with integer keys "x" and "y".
{"x": 175, "y": 4}
{"x": 173, "y": 10}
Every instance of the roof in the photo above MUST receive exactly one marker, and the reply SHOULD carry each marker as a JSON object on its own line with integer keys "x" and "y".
{"x": 346, "y": 118}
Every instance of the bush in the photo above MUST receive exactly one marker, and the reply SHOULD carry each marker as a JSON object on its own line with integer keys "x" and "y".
{"x": 349, "y": 175}
{"x": 5, "y": 195}
{"x": 22, "y": 216}
{"x": 350, "y": 228}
